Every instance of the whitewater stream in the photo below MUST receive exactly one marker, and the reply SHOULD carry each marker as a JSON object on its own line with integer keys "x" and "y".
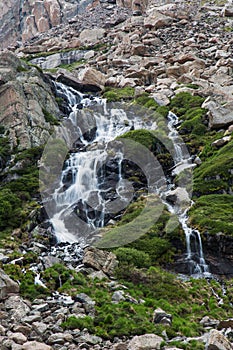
{"x": 83, "y": 200}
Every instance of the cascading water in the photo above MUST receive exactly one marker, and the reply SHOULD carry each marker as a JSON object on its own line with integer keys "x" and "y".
{"x": 194, "y": 256}
{"x": 82, "y": 187}
{"x": 83, "y": 190}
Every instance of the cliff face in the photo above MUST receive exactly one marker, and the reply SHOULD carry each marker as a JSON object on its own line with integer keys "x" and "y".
{"x": 25, "y": 100}
{"x": 22, "y": 19}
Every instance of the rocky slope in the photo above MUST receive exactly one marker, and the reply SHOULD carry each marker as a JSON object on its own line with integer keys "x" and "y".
{"x": 159, "y": 54}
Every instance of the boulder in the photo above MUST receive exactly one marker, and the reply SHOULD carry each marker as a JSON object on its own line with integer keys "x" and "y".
{"x": 18, "y": 337}
{"x": 217, "y": 341}
{"x": 156, "y": 20}
{"x": 25, "y": 97}
{"x": 145, "y": 342}
{"x": 91, "y": 36}
{"x": 219, "y": 115}
{"x": 90, "y": 76}
{"x": 71, "y": 80}
{"x": 35, "y": 346}
{"x": 161, "y": 317}
{"x": 16, "y": 307}
{"x": 7, "y": 285}
{"x": 100, "y": 260}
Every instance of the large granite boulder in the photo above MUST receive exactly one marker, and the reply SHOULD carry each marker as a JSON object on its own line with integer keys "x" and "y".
{"x": 219, "y": 115}
{"x": 7, "y": 285}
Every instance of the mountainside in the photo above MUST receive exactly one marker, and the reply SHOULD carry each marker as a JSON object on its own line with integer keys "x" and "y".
{"x": 116, "y": 173}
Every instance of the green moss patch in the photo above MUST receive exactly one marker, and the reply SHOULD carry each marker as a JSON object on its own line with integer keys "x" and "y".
{"x": 213, "y": 213}
{"x": 118, "y": 94}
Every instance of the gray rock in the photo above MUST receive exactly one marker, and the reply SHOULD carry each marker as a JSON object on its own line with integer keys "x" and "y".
{"x": 100, "y": 260}
{"x": 7, "y": 285}
{"x": 145, "y": 342}
{"x": 18, "y": 338}
{"x": 90, "y": 339}
{"x": 219, "y": 116}
{"x": 161, "y": 317}
{"x": 118, "y": 296}
{"x": 217, "y": 341}
{"x": 16, "y": 307}
{"x": 34, "y": 345}
{"x": 221, "y": 142}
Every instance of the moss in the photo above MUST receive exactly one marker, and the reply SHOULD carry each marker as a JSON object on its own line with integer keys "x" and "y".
{"x": 213, "y": 213}
{"x": 73, "y": 322}
{"x": 214, "y": 175}
{"x": 183, "y": 102}
{"x": 131, "y": 256}
{"x": 117, "y": 94}
{"x": 49, "y": 118}
{"x": 146, "y": 101}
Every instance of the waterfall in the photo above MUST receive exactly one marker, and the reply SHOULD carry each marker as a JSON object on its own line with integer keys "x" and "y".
{"x": 194, "y": 254}
{"x": 82, "y": 200}
{"x": 82, "y": 190}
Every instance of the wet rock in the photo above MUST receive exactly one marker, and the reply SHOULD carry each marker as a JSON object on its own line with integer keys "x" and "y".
{"x": 206, "y": 321}
{"x": 217, "y": 341}
{"x": 7, "y": 285}
{"x": 224, "y": 324}
{"x": 71, "y": 80}
{"x": 145, "y": 342}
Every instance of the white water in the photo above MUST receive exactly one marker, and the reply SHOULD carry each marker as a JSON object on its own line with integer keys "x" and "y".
{"x": 84, "y": 195}
{"x": 194, "y": 255}
{"x": 83, "y": 168}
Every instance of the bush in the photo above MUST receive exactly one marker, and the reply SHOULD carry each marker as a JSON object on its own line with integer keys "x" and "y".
{"x": 10, "y": 209}
{"x": 131, "y": 256}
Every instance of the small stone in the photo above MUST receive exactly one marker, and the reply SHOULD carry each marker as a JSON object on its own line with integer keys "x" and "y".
{"x": 118, "y": 296}
{"x": 19, "y": 338}
{"x": 91, "y": 339}
{"x": 161, "y": 317}
{"x": 2, "y": 330}
{"x": 34, "y": 345}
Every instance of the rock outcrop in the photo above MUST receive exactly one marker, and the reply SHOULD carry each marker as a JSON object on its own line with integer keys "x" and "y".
{"x": 26, "y": 100}
{"x": 7, "y": 285}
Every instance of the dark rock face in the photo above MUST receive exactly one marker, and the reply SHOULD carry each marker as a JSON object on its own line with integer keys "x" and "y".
{"x": 219, "y": 253}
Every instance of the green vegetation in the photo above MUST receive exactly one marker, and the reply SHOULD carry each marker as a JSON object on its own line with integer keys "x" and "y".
{"x": 117, "y": 94}
{"x": 213, "y": 213}
{"x": 49, "y": 118}
{"x": 146, "y": 101}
